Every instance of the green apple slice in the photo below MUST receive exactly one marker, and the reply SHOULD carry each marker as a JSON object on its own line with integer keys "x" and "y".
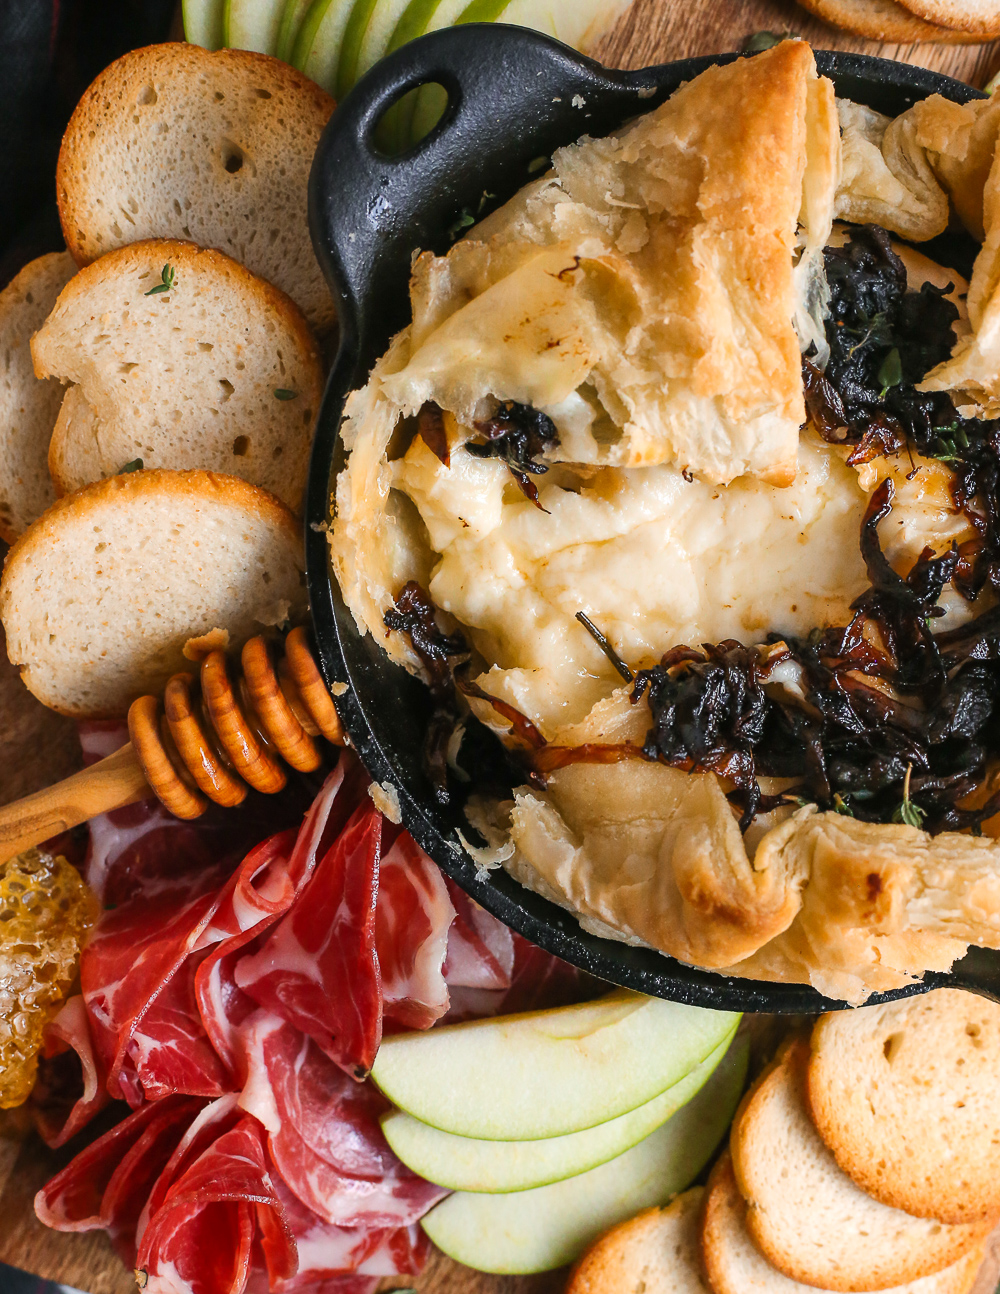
{"x": 580, "y": 23}
{"x": 317, "y": 49}
{"x": 498, "y": 1167}
{"x": 350, "y": 45}
{"x": 546, "y": 1073}
{"x": 381, "y": 26}
{"x": 252, "y": 24}
{"x": 420, "y": 17}
{"x": 292, "y": 17}
{"x": 203, "y": 23}
{"x": 414, "y": 21}
{"x": 535, "y": 1231}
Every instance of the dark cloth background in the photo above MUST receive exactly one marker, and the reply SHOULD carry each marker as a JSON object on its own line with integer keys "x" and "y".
{"x": 50, "y": 51}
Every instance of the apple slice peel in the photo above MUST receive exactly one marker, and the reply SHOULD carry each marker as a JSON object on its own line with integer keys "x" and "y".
{"x": 547, "y": 1073}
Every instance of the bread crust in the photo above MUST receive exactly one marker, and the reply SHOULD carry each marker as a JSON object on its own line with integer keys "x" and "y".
{"x": 42, "y": 543}
{"x": 28, "y": 408}
{"x": 905, "y": 1095}
{"x": 105, "y": 391}
{"x": 127, "y": 92}
{"x": 884, "y": 20}
{"x": 978, "y": 17}
{"x": 795, "y": 1190}
{"x": 616, "y": 1262}
{"x": 734, "y": 1266}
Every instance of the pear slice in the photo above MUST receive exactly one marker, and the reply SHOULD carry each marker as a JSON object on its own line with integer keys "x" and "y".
{"x": 317, "y": 47}
{"x": 252, "y": 24}
{"x": 498, "y": 1167}
{"x": 535, "y": 1231}
{"x": 292, "y": 17}
{"x": 203, "y": 23}
{"x": 546, "y": 1073}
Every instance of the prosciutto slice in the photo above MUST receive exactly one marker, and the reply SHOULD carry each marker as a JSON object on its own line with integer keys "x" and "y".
{"x": 325, "y": 1138}
{"x": 480, "y": 948}
{"x": 70, "y": 1089}
{"x": 73, "y": 1199}
{"x": 318, "y": 967}
{"x": 200, "y": 1240}
{"x": 326, "y": 1251}
{"x": 131, "y": 848}
{"x": 413, "y": 916}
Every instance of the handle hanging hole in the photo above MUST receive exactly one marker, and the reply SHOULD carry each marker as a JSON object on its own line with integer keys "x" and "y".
{"x": 410, "y": 118}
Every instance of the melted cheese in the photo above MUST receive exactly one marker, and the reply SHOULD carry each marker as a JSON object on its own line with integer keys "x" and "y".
{"x": 652, "y": 558}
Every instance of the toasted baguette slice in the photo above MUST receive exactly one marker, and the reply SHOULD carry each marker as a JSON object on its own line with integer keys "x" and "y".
{"x": 884, "y": 20}
{"x": 656, "y": 1252}
{"x": 807, "y": 1216}
{"x": 735, "y": 1266}
{"x": 221, "y": 372}
{"x": 907, "y": 1097}
{"x": 979, "y": 17}
{"x": 173, "y": 141}
{"x": 28, "y": 407}
{"x": 99, "y": 596}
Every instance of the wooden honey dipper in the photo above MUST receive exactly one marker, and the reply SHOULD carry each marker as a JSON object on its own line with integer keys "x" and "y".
{"x": 211, "y": 738}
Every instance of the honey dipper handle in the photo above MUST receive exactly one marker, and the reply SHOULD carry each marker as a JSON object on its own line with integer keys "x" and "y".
{"x": 114, "y": 782}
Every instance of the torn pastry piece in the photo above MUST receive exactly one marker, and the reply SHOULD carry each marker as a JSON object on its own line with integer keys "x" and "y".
{"x": 851, "y": 907}
{"x": 654, "y": 854}
{"x": 880, "y": 905}
{"x": 652, "y": 277}
{"x": 972, "y": 375}
{"x": 886, "y": 178}
{"x": 960, "y": 140}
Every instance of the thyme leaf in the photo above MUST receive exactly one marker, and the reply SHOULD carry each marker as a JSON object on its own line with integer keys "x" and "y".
{"x": 282, "y": 393}
{"x": 166, "y": 281}
{"x": 134, "y": 466}
{"x": 891, "y": 372}
{"x": 909, "y": 813}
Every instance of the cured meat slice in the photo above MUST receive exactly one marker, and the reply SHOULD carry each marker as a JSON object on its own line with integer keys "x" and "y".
{"x": 413, "y": 915}
{"x": 318, "y": 967}
{"x": 395, "y": 1200}
{"x": 70, "y": 1088}
{"x": 200, "y": 1239}
{"x": 140, "y": 1166}
{"x": 133, "y": 848}
{"x": 169, "y": 1050}
{"x": 210, "y": 1123}
{"x": 199, "y": 1248}
{"x": 223, "y": 1006}
{"x": 134, "y": 952}
{"x": 325, "y": 1139}
{"x": 336, "y": 1117}
{"x": 538, "y": 981}
{"x": 327, "y": 1251}
{"x": 480, "y": 948}
{"x": 72, "y": 1200}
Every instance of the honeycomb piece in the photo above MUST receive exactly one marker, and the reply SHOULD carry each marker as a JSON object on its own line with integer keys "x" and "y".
{"x": 45, "y": 913}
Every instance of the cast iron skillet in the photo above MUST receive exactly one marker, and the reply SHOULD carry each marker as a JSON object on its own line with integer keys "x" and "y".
{"x": 514, "y": 96}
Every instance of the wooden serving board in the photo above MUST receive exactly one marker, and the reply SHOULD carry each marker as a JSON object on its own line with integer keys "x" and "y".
{"x": 37, "y": 748}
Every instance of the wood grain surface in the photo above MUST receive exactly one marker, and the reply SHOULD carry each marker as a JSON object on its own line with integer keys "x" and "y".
{"x": 37, "y": 748}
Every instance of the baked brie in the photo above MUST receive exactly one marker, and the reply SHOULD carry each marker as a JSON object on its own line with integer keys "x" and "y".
{"x": 607, "y": 439}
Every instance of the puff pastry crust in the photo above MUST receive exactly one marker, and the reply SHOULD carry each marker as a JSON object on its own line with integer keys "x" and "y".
{"x": 657, "y": 266}
{"x": 651, "y": 294}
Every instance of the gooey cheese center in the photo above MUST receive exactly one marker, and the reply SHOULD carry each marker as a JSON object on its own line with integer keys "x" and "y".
{"x": 652, "y": 558}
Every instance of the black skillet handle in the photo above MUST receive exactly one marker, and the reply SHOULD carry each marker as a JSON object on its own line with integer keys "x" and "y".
{"x": 977, "y": 972}
{"x": 369, "y": 212}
